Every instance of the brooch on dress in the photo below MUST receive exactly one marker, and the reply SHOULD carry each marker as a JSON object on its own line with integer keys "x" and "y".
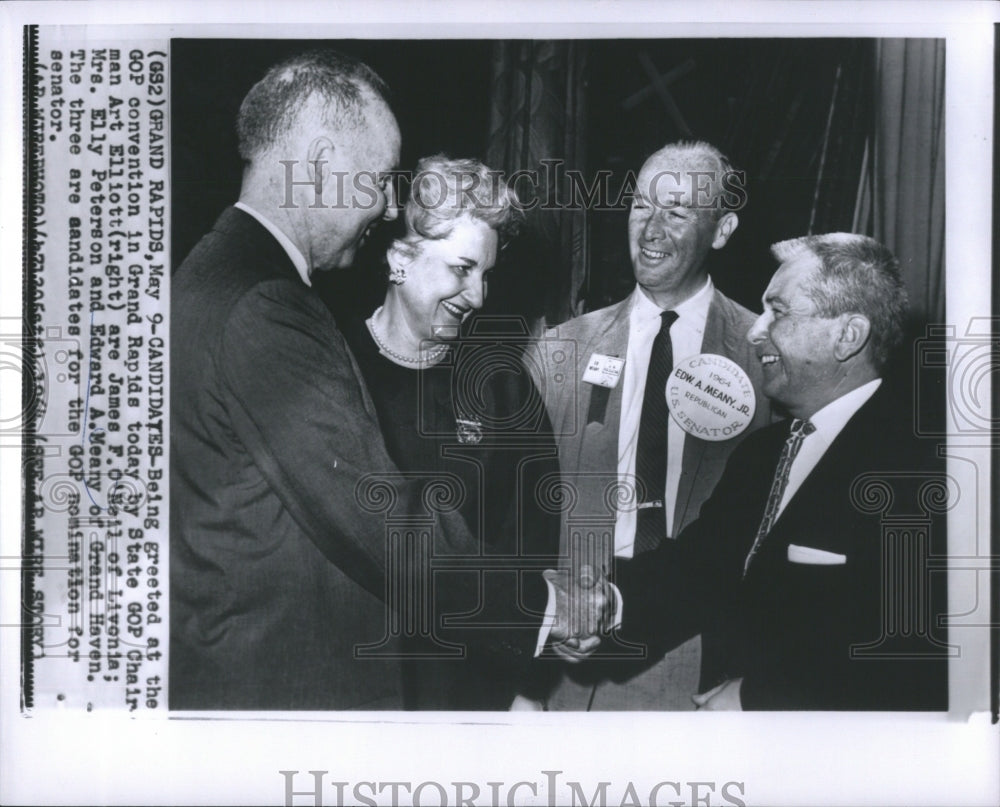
{"x": 469, "y": 432}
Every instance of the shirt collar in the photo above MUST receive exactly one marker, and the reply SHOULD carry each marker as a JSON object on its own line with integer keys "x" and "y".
{"x": 831, "y": 419}
{"x": 693, "y": 310}
{"x": 294, "y": 254}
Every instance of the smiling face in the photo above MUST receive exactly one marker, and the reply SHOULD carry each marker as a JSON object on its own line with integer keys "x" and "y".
{"x": 357, "y": 189}
{"x": 796, "y": 346}
{"x": 672, "y": 227}
{"x": 445, "y": 282}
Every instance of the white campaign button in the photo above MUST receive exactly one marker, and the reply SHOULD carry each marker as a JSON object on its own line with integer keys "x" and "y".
{"x": 604, "y": 371}
{"x": 710, "y": 397}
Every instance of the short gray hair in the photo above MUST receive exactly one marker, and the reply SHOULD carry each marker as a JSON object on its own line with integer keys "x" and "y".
{"x": 857, "y": 275}
{"x": 694, "y": 155}
{"x": 342, "y": 84}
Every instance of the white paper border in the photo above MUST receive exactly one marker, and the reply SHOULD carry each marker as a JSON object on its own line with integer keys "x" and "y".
{"x": 782, "y": 758}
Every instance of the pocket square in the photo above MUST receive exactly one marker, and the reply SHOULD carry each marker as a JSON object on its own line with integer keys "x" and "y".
{"x": 815, "y": 557}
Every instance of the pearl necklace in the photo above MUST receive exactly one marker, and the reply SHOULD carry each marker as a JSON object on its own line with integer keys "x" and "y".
{"x": 428, "y": 358}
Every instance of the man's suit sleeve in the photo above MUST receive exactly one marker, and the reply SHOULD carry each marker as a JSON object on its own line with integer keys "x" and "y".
{"x": 296, "y": 402}
{"x": 691, "y": 584}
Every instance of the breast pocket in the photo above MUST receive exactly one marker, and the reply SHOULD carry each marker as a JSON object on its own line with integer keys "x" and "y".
{"x": 811, "y": 556}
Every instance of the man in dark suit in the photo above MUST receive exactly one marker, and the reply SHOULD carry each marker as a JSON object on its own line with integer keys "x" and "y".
{"x": 679, "y": 216}
{"x": 280, "y": 481}
{"x": 810, "y": 557}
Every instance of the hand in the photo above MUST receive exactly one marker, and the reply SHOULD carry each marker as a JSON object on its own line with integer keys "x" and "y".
{"x": 724, "y": 698}
{"x": 581, "y": 612}
{"x": 523, "y": 703}
{"x": 576, "y": 650}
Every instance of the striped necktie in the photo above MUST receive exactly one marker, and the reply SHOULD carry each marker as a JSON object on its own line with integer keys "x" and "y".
{"x": 800, "y": 429}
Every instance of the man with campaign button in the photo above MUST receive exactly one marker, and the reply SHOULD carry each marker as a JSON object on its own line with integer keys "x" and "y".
{"x": 817, "y": 560}
{"x": 638, "y": 476}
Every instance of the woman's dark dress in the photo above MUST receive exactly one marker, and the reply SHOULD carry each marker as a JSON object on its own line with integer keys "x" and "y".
{"x": 475, "y": 415}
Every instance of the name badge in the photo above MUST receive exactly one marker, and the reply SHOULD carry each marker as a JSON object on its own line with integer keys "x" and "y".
{"x": 711, "y": 397}
{"x": 604, "y": 371}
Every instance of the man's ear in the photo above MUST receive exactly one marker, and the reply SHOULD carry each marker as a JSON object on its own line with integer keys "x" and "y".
{"x": 319, "y": 156}
{"x": 854, "y": 334}
{"x": 724, "y": 228}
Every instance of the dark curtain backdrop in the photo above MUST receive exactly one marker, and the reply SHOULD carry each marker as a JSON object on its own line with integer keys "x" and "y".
{"x": 537, "y": 117}
{"x": 793, "y": 113}
{"x": 440, "y": 97}
{"x": 902, "y": 196}
{"x": 844, "y": 140}
{"x": 834, "y": 134}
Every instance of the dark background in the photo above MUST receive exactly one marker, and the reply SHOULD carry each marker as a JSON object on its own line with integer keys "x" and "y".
{"x": 770, "y": 104}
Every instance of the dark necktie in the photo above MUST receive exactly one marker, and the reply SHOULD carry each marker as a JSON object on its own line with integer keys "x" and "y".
{"x": 800, "y": 429}
{"x": 651, "y": 449}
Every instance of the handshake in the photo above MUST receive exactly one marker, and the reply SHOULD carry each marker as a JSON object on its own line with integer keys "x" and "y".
{"x": 585, "y": 609}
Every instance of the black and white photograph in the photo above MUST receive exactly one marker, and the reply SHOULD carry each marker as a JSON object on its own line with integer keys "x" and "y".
{"x": 269, "y": 449}
{"x": 453, "y": 405}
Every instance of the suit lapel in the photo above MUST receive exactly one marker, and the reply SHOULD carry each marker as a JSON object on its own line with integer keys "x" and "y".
{"x": 604, "y": 404}
{"x": 600, "y": 407}
{"x": 836, "y": 469}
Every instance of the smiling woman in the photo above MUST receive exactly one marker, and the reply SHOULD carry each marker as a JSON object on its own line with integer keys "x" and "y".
{"x": 446, "y": 282}
{"x": 458, "y": 407}
{"x": 459, "y": 213}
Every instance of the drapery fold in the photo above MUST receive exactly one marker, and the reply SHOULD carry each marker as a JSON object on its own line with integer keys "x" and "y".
{"x": 841, "y": 135}
{"x": 902, "y": 198}
{"x": 538, "y": 125}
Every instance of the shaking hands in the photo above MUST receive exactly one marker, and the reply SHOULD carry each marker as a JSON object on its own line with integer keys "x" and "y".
{"x": 585, "y": 609}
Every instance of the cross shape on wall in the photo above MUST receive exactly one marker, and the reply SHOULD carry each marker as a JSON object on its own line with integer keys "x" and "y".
{"x": 658, "y": 86}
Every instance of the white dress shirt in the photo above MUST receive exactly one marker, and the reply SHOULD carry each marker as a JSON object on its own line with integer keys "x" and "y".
{"x": 685, "y": 338}
{"x": 296, "y": 256}
{"x": 829, "y": 422}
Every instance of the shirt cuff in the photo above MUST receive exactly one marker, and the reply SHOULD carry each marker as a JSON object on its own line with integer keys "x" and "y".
{"x": 619, "y": 607}
{"x": 548, "y": 620}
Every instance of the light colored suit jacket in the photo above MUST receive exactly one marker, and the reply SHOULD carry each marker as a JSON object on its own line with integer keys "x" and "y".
{"x": 585, "y": 418}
